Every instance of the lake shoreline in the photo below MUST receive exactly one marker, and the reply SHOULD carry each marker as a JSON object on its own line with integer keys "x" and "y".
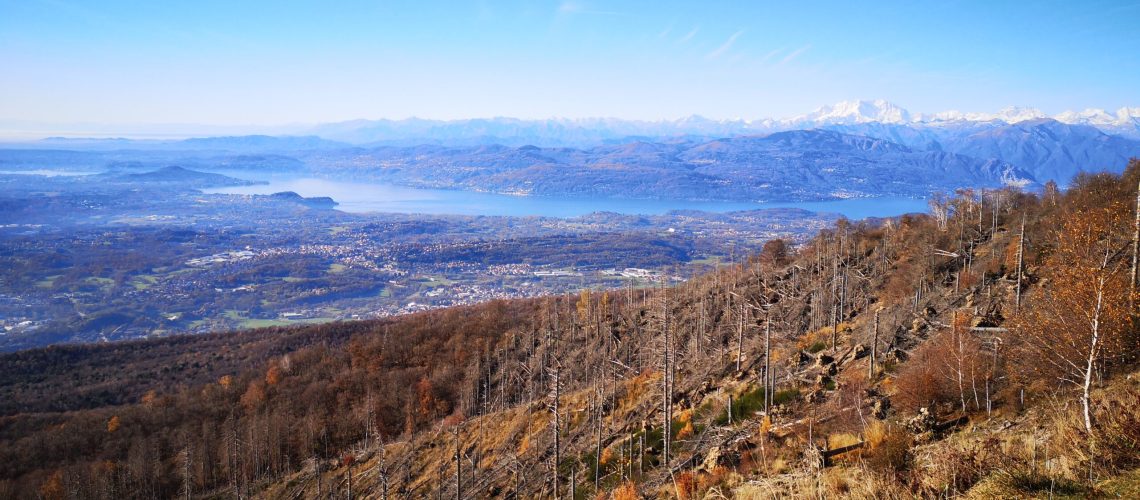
{"x": 371, "y": 197}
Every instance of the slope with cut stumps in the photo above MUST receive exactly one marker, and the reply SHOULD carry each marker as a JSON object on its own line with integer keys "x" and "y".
{"x": 892, "y": 358}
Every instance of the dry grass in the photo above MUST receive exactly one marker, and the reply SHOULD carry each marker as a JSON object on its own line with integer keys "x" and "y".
{"x": 840, "y": 440}
{"x": 836, "y": 482}
{"x": 888, "y": 447}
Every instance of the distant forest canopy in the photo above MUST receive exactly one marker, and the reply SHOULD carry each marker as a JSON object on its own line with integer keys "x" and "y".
{"x": 1050, "y": 277}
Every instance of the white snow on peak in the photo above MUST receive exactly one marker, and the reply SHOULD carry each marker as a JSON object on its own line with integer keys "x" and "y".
{"x": 1128, "y": 115}
{"x": 1101, "y": 118}
{"x": 1091, "y": 116}
{"x": 847, "y": 112}
{"x": 882, "y": 111}
{"x": 953, "y": 116}
{"x": 1016, "y": 114}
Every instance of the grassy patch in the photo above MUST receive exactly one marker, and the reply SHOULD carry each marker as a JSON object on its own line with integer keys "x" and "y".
{"x": 1024, "y": 485}
{"x": 711, "y": 260}
{"x": 743, "y": 406}
{"x": 337, "y": 268}
{"x": 785, "y": 396}
{"x": 102, "y": 283}
{"x": 1126, "y": 485}
{"x": 433, "y": 282}
{"x": 143, "y": 281}
{"x": 262, "y": 323}
{"x": 816, "y": 347}
{"x": 244, "y": 322}
{"x": 47, "y": 282}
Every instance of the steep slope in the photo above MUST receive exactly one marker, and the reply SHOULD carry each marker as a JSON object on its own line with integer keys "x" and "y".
{"x": 849, "y": 364}
{"x": 800, "y": 163}
{"x": 1048, "y": 149}
{"x": 1125, "y": 122}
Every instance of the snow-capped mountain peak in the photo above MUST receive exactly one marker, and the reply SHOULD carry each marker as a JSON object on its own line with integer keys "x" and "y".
{"x": 847, "y": 112}
{"x": 953, "y": 116}
{"x": 882, "y": 111}
{"x": 1090, "y": 116}
{"x": 1101, "y": 118}
{"x": 1016, "y": 114}
{"x": 1128, "y": 115}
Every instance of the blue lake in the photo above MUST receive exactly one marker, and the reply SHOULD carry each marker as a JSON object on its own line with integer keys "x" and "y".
{"x": 371, "y": 197}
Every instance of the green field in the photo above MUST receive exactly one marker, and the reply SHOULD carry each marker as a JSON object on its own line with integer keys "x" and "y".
{"x": 143, "y": 281}
{"x": 47, "y": 282}
{"x": 244, "y": 322}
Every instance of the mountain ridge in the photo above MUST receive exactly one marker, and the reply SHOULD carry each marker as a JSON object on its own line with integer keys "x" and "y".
{"x": 1125, "y": 122}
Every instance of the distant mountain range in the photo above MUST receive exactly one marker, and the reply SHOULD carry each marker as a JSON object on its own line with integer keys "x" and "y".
{"x": 792, "y": 165}
{"x": 851, "y": 149}
{"x": 592, "y": 131}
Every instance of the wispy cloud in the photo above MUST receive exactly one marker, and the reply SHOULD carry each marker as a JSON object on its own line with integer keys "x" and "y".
{"x": 717, "y": 52}
{"x": 767, "y": 57}
{"x": 570, "y": 7}
{"x": 794, "y": 54}
{"x": 689, "y": 36}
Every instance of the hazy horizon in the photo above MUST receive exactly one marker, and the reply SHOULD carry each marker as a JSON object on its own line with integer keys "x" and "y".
{"x": 23, "y": 130}
{"x": 270, "y": 65}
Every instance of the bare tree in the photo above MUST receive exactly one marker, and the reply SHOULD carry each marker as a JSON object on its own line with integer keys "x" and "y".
{"x": 1020, "y": 261}
{"x": 556, "y": 424}
{"x": 1135, "y": 256}
{"x": 1082, "y": 321}
{"x": 874, "y": 347}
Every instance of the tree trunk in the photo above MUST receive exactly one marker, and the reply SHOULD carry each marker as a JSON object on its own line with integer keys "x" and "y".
{"x": 874, "y": 347}
{"x": 767, "y": 363}
{"x": 557, "y": 430}
{"x": 1135, "y": 256}
{"x": 834, "y": 325}
{"x": 458, "y": 467}
{"x": 1020, "y": 265}
{"x": 666, "y": 390}
{"x": 1090, "y": 366}
{"x": 598, "y": 441}
{"x": 740, "y": 336}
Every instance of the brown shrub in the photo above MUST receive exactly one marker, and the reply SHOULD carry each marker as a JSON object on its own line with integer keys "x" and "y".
{"x": 685, "y": 432}
{"x": 887, "y": 447}
{"x": 686, "y": 485}
{"x": 921, "y": 381}
{"x": 627, "y": 491}
{"x": 1116, "y": 435}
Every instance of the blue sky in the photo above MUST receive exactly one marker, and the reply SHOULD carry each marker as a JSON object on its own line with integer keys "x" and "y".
{"x": 247, "y": 62}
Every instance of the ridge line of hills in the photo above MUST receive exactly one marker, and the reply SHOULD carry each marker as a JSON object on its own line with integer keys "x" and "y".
{"x": 839, "y": 161}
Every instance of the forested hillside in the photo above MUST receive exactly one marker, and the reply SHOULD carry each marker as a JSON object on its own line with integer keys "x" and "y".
{"x": 986, "y": 349}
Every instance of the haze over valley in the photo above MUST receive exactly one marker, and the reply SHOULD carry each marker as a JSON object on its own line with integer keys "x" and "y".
{"x": 378, "y": 230}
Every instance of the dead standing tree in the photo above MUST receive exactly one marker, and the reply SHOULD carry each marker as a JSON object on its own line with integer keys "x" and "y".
{"x": 666, "y": 379}
{"x": 556, "y": 424}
